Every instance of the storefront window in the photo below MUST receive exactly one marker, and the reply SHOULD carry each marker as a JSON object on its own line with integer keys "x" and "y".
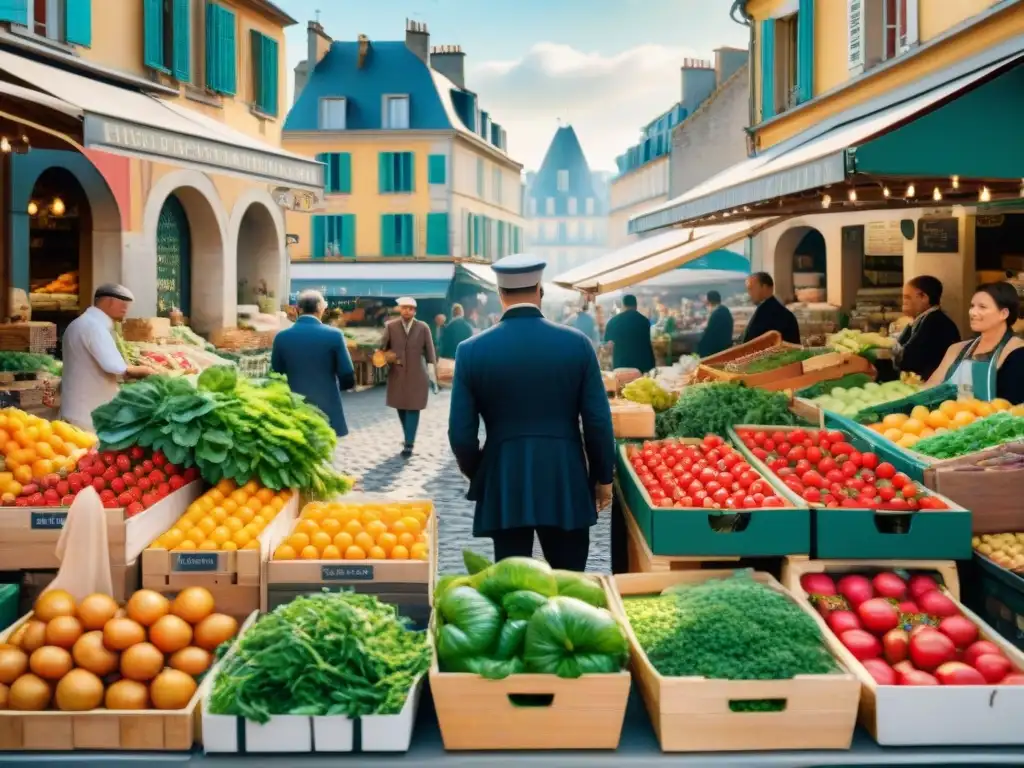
{"x": 173, "y": 257}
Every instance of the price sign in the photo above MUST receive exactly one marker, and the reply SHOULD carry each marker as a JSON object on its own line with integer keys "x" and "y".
{"x": 194, "y": 561}
{"x": 346, "y": 572}
{"x": 48, "y": 521}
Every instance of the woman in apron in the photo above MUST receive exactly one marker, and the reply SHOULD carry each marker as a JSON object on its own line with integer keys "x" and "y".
{"x": 991, "y": 365}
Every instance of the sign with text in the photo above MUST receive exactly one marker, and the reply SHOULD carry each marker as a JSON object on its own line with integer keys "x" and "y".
{"x": 48, "y": 521}
{"x": 883, "y": 238}
{"x": 194, "y": 561}
{"x": 938, "y": 236}
{"x": 346, "y": 572}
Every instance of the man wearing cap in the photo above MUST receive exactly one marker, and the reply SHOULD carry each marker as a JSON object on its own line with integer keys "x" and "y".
{"x": 533, "y": 383}
{"x": 413, "y": 369}
{"x": 92, "y": 363}
{"x": 630, "y": 335}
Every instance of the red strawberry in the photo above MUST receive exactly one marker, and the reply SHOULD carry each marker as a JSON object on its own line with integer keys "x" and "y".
{"x": 136, "y": 493}
{"x": 123, "y": 463}
{"x": 172, "y": 469}
{"x": 136, "y": 453}
{"x": 177, "y": 482}
{"x": 112, "y": 504}
{"x": 159, "y": 459}
{"x": 36, "y": 500}
{"x": 125, "y": 499}
{"x": 149, "y": 500}
{"x": 156, "y": 477}
{"x": 67, "y": 501}
{"x": 108, "y": 458}
{"x": 108, "y": 495}
{"x": 110, "y": 474}
{"x": 63, "y": 487}
{"x": 117, "y": 485}
{"x": 99, "y": 483}
{"x": 191, "y": 474}
{"x": 144, "y": 483}
{"x": 163, "y": 489}
{"x": 50, "y": 496}
{"x": 129, "y": 479}
{"x": 148, "y": 466}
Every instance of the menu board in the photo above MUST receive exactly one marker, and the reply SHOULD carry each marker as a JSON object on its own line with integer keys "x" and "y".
{"x": 883, "y": 238}
{"x": 938, "y": 235}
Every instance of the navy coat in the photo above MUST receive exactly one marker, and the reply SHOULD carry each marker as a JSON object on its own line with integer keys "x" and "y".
{"x": 455, "y": 332}
{"x": 772, "y": 315}
{"x": 316, "y": 361}
{"x": 717, "y": 335}
{"x": 630, "y": 335}
{"x": 532, "y": 382}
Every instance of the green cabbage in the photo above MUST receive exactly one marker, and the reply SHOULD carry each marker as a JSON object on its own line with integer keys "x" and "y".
{"x": 580, "y": 586}
{"x": 510, "y": 641}
{"x": 218, "y": 378}
{"x": 515, "y": 573}
{"x": 475, "y": 563}
{"x": 522, "y": 603}
{"x": 471, "y": 624}
{"x": 569, "y": 638}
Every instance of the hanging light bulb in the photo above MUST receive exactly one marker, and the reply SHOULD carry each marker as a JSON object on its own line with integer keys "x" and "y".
{"x": 826, "y": 201}
{"x": 852, "y": 195}
{"x": 956, "y": 182}
{"x": 936, "y": 194}
{"x": 57, "y": 207}
{"x": 984, "y": 195}
{"x": 1021, "y": 188}
{"x": 5, "y": 145}
{"x": 886, "y": 192}
{"x": 911, "y": 190}
{"x": 33, "y": 208}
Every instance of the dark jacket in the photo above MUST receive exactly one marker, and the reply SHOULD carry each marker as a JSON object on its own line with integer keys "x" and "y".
{"x": 924, "y": 348}
{"x": 630, "y": 333}
{"x": 717, "y": 335}
{"x": 533, "y": 383}
{"x": 772, "y": 315}
{"x": 584, "y": 323}
{"x": 456, "y": 331}
{"x": 316, "y": 361}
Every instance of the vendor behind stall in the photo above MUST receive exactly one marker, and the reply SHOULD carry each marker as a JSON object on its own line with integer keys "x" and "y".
{"x": 922, "y": 343}
{"x": 717, "y": 335}
{"x": 991, "y": 365}
{"x": 629, "y": 333}
{"x": 771, "y": 314}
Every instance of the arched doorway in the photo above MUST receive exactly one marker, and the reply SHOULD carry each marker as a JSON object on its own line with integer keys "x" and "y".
{"x": 173, "y": 259}
{"x": 799, "y": 265}
{"x": 260, "y": 259}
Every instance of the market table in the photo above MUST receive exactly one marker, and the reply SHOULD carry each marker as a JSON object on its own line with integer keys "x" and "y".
{"x": 639, "y": 747}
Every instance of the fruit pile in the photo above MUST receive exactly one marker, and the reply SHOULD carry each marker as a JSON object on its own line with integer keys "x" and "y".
{"x": 647, "y": 392}
{"x": 226, "y": 518}
{"x": 1005, "y": 549}
{"x": 336, "y": 531}
{"x": 34, "y": 448}
{"x": 134, "y": 480}
{"x": 825, "y": 470}
{"x": 710, "y": 474}
{"x": 951, "y": 415}
{"x": 908, "y": 631}
{"x": 95, "y": 654}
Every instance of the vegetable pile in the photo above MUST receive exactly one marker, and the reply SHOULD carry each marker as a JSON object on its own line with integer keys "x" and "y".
{"x": 768, "y": 360}
{"x": 950, "y": 416}
{"x": 712, "y": 408}
{"x": 133, "y": 480}
{"x": 988, "y": 432}
{"x": 28, "y": 362}
{"x": 229, "y": 428}
{"x": 519, "y": 616}
{"x": 849, "y": 381}
{"x": 647, "y": 392}
{"x": 850, "y": 401}
{"x": 858, "y": 342}
{"x": 729, "y": 629}
{"x": 906, "y": 630}
{"x": 338, "y": 653}
{"x": 1004, "y": 549}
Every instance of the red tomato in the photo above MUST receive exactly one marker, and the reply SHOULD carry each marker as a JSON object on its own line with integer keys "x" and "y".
{"x": 784, "y": 448}
{"x": 812, "y": 495}
{"x": 887, "y": 493}
{"x": 699, "y": 496}
{"x": 796, "y": 436}
{"x": 760, "y": 453}
{"x": 720, "y": 496}
{"x": 814, "y": 454}
{"x": 835, "y": 476}
{"x": 897, "y": 505}
{"x": 758, "y": 486}
{"x": 899, "y": 480}
{"x": 885, "y": 470}
{"x": 769, "y": 445}
{"x": 712, "y": 456}
{"x": 760, "y": 437}
{"x": 773, "y": 501}
{"x": 796, "y": 453}
{"x": 713, "y": 486}
{"x": 726, "y": 479}
{"x": 746, "y": 479}
{"x": 836, "y": 437}
{"x": 666, "y": 503}
{"x": 707, "y": 475}
{"x": 749, "y": 502}
{"x": 869, "y": 460}
{"x": 909, "y": 491}
{"x": 803, "y": 466}
{"x": 713, "y": 441}
{"x": 686, "y": 501}
{"x": 758, "y": 499}
{"x": 849, "y": 468}
{"x": 827, "y": 464}
{"x": 812, "y": 478}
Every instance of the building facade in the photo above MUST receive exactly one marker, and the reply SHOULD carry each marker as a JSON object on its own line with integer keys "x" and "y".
{"x": 567, "y": 207}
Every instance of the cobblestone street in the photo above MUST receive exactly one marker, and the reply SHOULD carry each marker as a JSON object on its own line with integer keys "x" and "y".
{"x": 371, "y": 452}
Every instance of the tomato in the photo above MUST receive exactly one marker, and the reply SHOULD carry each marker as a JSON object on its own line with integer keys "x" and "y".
{"x": 758, "y": 498}
{"x": 746, "y": 479}
{"x": 898, "y": 505}
{"x": 713, "y": 486}
{"x": 686, "y": 501}
{"x": 909, "y": 491}
{"x": 670, "y": 461}
{"x": 740, "y": 467}
{"x": 835, "y": 476}
{"x": 803, "y": 466}
{"x": 856, "y": 483}
{"x": 699, "y": 496}
{"x": 835, "y": 436}
{"x": 720, "y": 496}
{"x": 749, "y": 502}
{"x": 769, "y": 445}
{"x": 812, "y": 478}
{"x": 760, "y": 437}
{"x": 850, "y": 504}
{"x": 760, "y": 453}
{"x": 827, "y": 464}
{"x": 869, "y": 460}
{"x": 828, "y": 498}
{"x": 726, "y": 479}
{"x": 797, "y": 436}
{"x": 694, "y": 487}
{"x": 713, "y": 441}
{"x": 885, "y": 470}
{"x": 773, "y": 501}
{"x": 887, "y": 493}
{"x": 666, "y": 502}
{"x": 784, "y": 448}
{"x": 842, "y": 447}
{"x": 867, "y": 477}
{"x": 707, "y": 475}
{"x": 849, "y": 468}
{"x": 712, "y": 456}
{"x": 814, "y": 454}
{"x": 899, "y": 480}
{"x": 796, "y": 453}
{"x": 812, "y": 495}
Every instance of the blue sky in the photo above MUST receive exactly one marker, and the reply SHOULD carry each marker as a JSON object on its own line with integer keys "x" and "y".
{"x": 606, "y": 66}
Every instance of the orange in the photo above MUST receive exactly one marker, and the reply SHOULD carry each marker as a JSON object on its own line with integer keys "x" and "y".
{"x": 330, "y": 526}
{"x": 375, "y": 528}
{"x": 219, "y": 535}
{"x": 245, "y": 515}
{"x": 252, "y": 530}
{"x": 239, "y": 497}
{"x": 254, "y": 544}
{"x": 387, "y": 541}
{"x": 233, "y": 524}
{"x": 299, "y": 540}
{"x": 23, "y": 474}
{"x": 330, "y": 552}
{"x": 228, "y": 546}
{"x": 229, "y": 505}
{"x": 174, "y": 537}
{"x": 981, "y": 410}
{"x": 206, "y": 525}
{"x": 999, "y": 404}
{"x": 419, "y": 551}
{"x": 406, "y": 540}
{"x": 893, "y": 434}
{"x": 399, "y": 553}
{"x": 309, "y": 553}
{"x": 312, "y": 511}
{"x": 198, "y": 535}
{"x": 219, "y": 514}
{"x": 937, "y": 419}
{"x": 259, "y": 522}
{"x": 207, "y": 503}
{"x": 907, "y": 441}
{"x": 399, "y": 527}
{"x": 348, "y": 513}
{"x": 268, "y": 513}
{"x": 226, "y": 486}
{"x": 363, "y": 540}
{"x": 306, "y": 526}
{"x": 354, "y": 553}
{"x": 45, "y": 450}
{"x": 369, "y": 515}
{"x": 42, "y": 467}
{"x": 926, "y": 432}
{"x": 949, "y": 407}
{"x": 376, "y": 553}
{"x": 343, "y": 540}
{"x": 241, "y": 538}
{"x": 963, "y": 418}
{"x": 320, "y": 540}
{"x": 254, "y": 504}
{"x": 352, "y": 526}
{"x": 912, "y": 427}
{"x": 251, "y": 487}
{"x": 187, "y": 545}
{"x": 216, "y": 494}
{"x": 412, "y": 524}
{"x": 277, "y": 502}
{"x": 264, "y": 495}
{"x": 894, "y": 420}
{"x": 208, "y": 544}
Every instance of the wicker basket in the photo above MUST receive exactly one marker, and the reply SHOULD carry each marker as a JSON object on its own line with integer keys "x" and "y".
{"x": 39, "y": 338}
{"x": 237, "y": 339}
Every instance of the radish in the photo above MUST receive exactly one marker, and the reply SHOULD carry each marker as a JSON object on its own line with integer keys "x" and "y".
{"x": 888, "y": 584}
{"x": 935, "y": 603}
{"x": 958, "y": 673}
{"x": 992, "y": 667}
{"x": 855, "y": 588}
{"x": 921, "y": 583}
{"x": 959, "y": 629}
{"x": 818, "y": 584}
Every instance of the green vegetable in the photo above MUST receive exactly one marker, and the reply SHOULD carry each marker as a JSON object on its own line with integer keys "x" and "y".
{"x": 471, "y": 624}
{"x": 515, "y": 573}
{"x": 492, "y": 669}
{"x": 475, "y": 563}
{"x": 324, "y": 654}
{"x": 849, "y": 381}
{"x": 769, "y": 362}
{"x": 28, "y": 362}
{"x": 988, "y": 432}
{"x": 711, "y": 408}
{"x": 569, "y": 638}
{"x": 510, "y": 641}
{"x": 580, "y": 586}
{"x": 448, "y": 581}
{"x": 218, "y": 378}
{"x": 522, "y": 603}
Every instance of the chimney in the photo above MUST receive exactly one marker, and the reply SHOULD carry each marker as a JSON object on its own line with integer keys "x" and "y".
{"x": 317, "y": 43}
{"x": 727, "y": 62}
{"x": 301, "y": 78}
{"x": 450, "y": 61}
{"x": 698, "y": 82}
{"x": 417, "y": 39}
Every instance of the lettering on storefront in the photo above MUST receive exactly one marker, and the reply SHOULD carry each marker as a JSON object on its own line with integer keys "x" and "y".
{"x": 346, "y": 572}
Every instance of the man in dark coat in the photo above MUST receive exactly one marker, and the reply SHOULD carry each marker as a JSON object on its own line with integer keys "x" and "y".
{"x": 584, "y": 323}
{"x": 771, "y": 314}
{"x": 455, "y": 332}
{"x": 413, "y": 369}
{"x": 717, "y": 335}
{"x": 533, "y": 383}
{"x": 315, "y": 359}
{"x": 924, "y": 342}
{"x": 630, "y": 335}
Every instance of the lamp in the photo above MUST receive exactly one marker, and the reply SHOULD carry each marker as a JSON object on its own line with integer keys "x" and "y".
{"x": 885, "y": 192}
{"x": 911, "y": 190}
{"x": 984, "y": 195}
{"x": 936, "y": 194}
{"x": 57, "y": 207}
{"x": 5, "y": 145}
{"x": 826, "y": 201}
{"x": 852, "y": 195}
{"x": 956, "y": 182}
{"x": 33, "y": 208}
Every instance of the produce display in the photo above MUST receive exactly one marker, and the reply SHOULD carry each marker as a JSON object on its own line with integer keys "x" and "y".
{"x": 28, "y": 362}
{"x": 849, "y": 401}
{"x": 226, "y": 518}
{"x": 825, "y": 470}
{"x": 988, "y": 432}
{"x": 646, "y": 392}
{"x": 848, "y": 381}
{"x": 713, "y": 407}
{"x": 950, "y": 416}
{"x": 39, "y": 453}
{"x": 768, "y": 359}
{"x": 229, "y": 428}
{"x": 858, "y": 342}
{"x": 518, "y": 615}
{"x": 338, "y": 653}
{"x": 729, "y": 629}
{"x": 906, "y": 630}
{"x": 66, "y": 283}
{"x": 335, "y": 531}
{"x": 95, "y": 654}
{"x": 710, "y": 474}
{"x": 1004, "y": 549}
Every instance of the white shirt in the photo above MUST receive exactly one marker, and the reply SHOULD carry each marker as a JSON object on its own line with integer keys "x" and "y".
{"x": 92, "y": 365}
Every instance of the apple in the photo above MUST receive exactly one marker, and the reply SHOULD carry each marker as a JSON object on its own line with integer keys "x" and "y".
{"x": 930, "y": 649}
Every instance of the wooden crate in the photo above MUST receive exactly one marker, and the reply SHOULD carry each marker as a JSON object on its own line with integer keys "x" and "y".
{"x": 146, "y": 328}
{"x": 693, "y": 714}
{"x": 146, "y": 730}
{"x": 992, "y": 496}
{"x": 632, "y": 420}
{"x": 35, "y": 337}
{"x": 764, "y": 379}
{"x": 764, "y": 341}
{"x": 478, "y": 714}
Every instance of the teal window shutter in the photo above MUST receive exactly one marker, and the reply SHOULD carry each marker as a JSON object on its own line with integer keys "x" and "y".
{"x": 405, "y": 229}
{"x": 221, "y": 71}
{"x": 269, "y": 103}
{"x": 406, "y": 172}
{"x": 343, "y": 173}
{"x": 387, "y": 234}
{"x": 767, "y": 69}
{"x": 348, "y": 234}
{"x": 182, "y": 40}
{"x": 325, "y": 158}
{"x": 480, "y": 177}
{"x": 213, "y": 24}
{"x": 318, "y": 236}
{"x": 78, "y": 22}
{"x": 805, "y": 52}
{"x": 386, "y": 172}
{"x": 436, "y": 170}
{"x": 501, "y": 238}
{"x": 437, "y": 234}
{"x": 228, "y": 52}
{"x": 14, "y": 11}
{"x": 476, "y": 236}
{"x": 153, "y": 34}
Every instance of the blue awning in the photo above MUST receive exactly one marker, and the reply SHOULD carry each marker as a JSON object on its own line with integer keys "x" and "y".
{"x": 377, "y": 280}
{"x": 721, "y": 261}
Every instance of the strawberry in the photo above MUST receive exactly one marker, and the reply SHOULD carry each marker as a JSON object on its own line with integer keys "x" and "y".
{"x": 176, "y": 482}
{"x": 149, "y": 500}
{"x": 123, "y": 463}
{"x": 67, "y": 501}
{"x": 129, "y": 479}
{"x": 117, "y": 485}
{"x": 159, "y": 459}
{"x": 108, "y": 495}
{"x": 144, "y": 483}
{"x": 125, "y": 499}
{"x": 99, "y": 484}
{"x": 136, "y": 493}
{"x": 135, "y": 508}
{"x": 63, "y": 487}
{"x": 136, "y": 453}
{"x": 156, "y": 477}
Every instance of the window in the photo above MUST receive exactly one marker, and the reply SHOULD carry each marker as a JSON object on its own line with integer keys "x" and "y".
{"x": 496, "y": 184}
{"x": 590, "y": 206}
{"x": 166, "y": 44}
{"x": 533, "y": 206}
{"x": 437, "y": 169}
{"x": 480, "y": 177}
{"x": 549, "y": 206}
{"x": 396, "y": 172}
{"x": 563, "y": 235}
{"x": 396, "y": 234}
{"x": 563, "y": 181}
{"x": 879, "y": 30}
{"x": 264, "y": 73}
{"x": 574, "y": 231}
{"x": 333, "y": 114}
{"x": 221, "y": 73}
{"x": 437, "y": 234}
{"x": 337, "y": 172}
{"x": 396, "y": 112}
{"x": 785, "y": 63}
{"x": 333, "y": 236}
{"x": 572, "y": 206}
{"x": 66, "y": 21}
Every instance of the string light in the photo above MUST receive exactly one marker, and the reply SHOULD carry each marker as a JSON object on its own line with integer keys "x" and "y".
{"x": 911, "y": 190}
{"x": 826, "y": 201}
{"x": 1022, "y": 188}
{"x": 956, "y": 182}
{"x": 885, "y": 192}
{"x": 936, "y": 194}
{"x": 5, "y": 145}
{"x": 33, "y": 208}
{"x": 984, "y": 195}
{"x": 57, "y": 207}
{"x": 852, "y": 195}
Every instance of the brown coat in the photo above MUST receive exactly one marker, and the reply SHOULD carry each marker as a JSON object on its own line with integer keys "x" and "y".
{"x": 408, "y": 385}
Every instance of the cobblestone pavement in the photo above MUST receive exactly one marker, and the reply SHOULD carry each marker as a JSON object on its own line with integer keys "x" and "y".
{"x": 371, "y": 453}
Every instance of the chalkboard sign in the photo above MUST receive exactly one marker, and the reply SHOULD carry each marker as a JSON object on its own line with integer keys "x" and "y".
{"x": 194, "y": 561}
{"x": 938, "y": 236}
{"x": 346, "y": 572}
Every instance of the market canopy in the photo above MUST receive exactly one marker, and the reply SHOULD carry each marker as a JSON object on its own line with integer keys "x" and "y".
{"x": 336, "y": 279}
{"x": 480, "y": 275}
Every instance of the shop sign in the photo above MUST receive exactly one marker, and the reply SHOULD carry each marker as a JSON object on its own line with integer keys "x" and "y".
{"x": 938, "y": 236}
{"x": 883, "y": 238}
{"x": 346, "y": 572}
{"x": 105, "y": 132}
{"x": 48, "y": 521}
{"x": 298, "y": 200}
{"x": 194, "y": 561}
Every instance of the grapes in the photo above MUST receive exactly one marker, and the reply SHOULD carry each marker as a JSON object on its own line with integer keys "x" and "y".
{"x": 646, "y": 392}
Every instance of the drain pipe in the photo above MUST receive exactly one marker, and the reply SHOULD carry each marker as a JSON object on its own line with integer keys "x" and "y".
{"x": 740, "y": 15}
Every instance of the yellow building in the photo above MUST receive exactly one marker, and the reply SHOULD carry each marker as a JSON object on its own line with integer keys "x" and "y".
{"x": 168, "y": 175}
{"x": 418, "y": 174}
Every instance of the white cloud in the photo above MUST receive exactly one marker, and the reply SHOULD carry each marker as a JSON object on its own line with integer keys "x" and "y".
{"x": 606, "y": 98}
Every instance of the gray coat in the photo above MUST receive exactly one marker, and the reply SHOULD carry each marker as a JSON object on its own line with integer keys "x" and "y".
{"x": 408, "y": 385}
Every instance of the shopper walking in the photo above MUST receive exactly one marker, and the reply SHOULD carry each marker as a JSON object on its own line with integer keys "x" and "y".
{"x": 316, "y": 360}
{"x": 455, "y": 332}
{"x": 717, "y": 336}
{"x": 532, "y": 383}
{"x": 413, "y": 369}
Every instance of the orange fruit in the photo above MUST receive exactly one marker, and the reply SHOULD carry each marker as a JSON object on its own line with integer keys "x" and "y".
{"x": 375, "y": 528}
{"x": 321, "y": 540}
{"x": 269, "y": 513}
{"x": 219, "y": 514}
{"x": 45, "y": 451}
{"x": 419, "y": 551}
{"x": 207, "y": 503}
{"x": 264, "y": 495}
{"x": 937, "y": 419}
{"x": 354, "y": 553}
{"x": 387, "y": 541}
{"x": 251, "y": 487}
{"x": 313, "y": 511}
{"x": 259, "y": 522}
{"x": 254, "y": 544}
{"x": 277, "y": 503}
{"x": 343, "y": 540}
{"x": 331, "y": 552}
{"x": 187, "y": 545}
{"x": 354, "y": 527}
{"x": 241, "y": 538}
{"x": 306, "y": 526}
{"x": 406, "y": 540}
{"x": 893, "y": 434}
{"x": 239, "y": 497}
{"x": 399, "y": 527}
{"x": 309, "y": 553}
{"x": 198, "y": 535}
{"x": 894, "y": 420}
{"x": 220, "y": 535}
{"x": 209, "y": 544}
{"x": 963, "y": 418}
{"x": 254, "y": 504}
{"x": 229, "y": 546}
{"x": 229, "y": 506}
{"x": 174, "y": 537}
{"x": 330, "y": 526}
{"x": 299, "y": 540}
{"x": 376, "y": 553}
{"x": 369, "y": 515}
{"x": 233, "y": 524}
{"x": 23, "y": 474}
{"x": 399, "y": 553}
{"x": 363, "y": 540}
{"x": 412, "y": 524}
{"x": 998, "y": 404}
{"x": 912, "y": 427}
{"x": 206, "y": 525}
{"x": 245, "y": 515}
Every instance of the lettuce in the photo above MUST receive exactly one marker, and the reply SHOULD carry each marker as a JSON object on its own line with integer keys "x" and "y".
{"x": 580, "y": 586}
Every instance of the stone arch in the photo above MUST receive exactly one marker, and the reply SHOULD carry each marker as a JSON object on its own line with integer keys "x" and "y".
{"x": 212, "y": 295}
{"x": 256, "y": 246}
{"x": 792, "y": 242}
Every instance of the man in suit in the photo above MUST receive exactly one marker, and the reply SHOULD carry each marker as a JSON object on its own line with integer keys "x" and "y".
{"x": 413, "y": 369}
{"x": 630, "y": 335}
{"x": 717, "y": 335}
{"x": 533, "y": 383}
{"x": 315, "y": 359}
{"x": 455, "y": 332}
{"x": 924, "y": 342}
{"x": 771, "y": 314}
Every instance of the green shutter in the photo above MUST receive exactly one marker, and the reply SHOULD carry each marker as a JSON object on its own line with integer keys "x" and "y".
{"x": 387, "y": 234}
{"x": 325, "y": 158}
{"x": 78, "y": 22}
{"x": 14, "y": 11}
{"x": 805, "y": 52}
{"x": 183, "y": 40}
{"x": 267, "y": 67}
{"x": 476, "y": 235}
{"x": 501, "y": 238}
{"x": 212, "y": 42}
{"x": 348, "y": 234}
{"x": 153, "y": 34}
{"x": 436, "y": 169}
{"x": 343, "y": 175}
{"x": 256, "y": 62}
{"x": 480, "y": 177}
{"x": 318, "y": 236}
{"x": 405, "y": 172}
{"x": 221, "y": 70}
{"x": 227, "y": 53}
{"x": 405, "y": 226}
{"x": 437, "y": 234}
{"x": 767, "y": 69}
{"x": 386, "y": 172}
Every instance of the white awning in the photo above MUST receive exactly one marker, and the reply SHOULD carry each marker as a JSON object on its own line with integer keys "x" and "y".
{"x": 378, "y": 279}
{"x": 129, "y": 122}
{"x": 629, "y": 254}
{"x": 482, "y": 274}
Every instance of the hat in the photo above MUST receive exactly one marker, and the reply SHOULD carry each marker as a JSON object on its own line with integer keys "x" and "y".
{"x": 519, "y": 271}
{"x": 113, "y": 291}
{"x": 406, "y": 301}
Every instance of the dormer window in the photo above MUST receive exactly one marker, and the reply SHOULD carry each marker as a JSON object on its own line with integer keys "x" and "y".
{"x": 563, "y": 181}
{"x": 396, "y": 113}
{"x": 332, "y": 114}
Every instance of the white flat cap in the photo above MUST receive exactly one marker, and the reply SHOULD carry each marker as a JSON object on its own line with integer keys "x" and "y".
{"x": 113, "y": 291}
{"x": 519, "y": 271}
{"x": 406, "y": 301}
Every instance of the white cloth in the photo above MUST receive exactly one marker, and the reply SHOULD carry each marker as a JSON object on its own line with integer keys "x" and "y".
{"x": 92, "y": 365}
